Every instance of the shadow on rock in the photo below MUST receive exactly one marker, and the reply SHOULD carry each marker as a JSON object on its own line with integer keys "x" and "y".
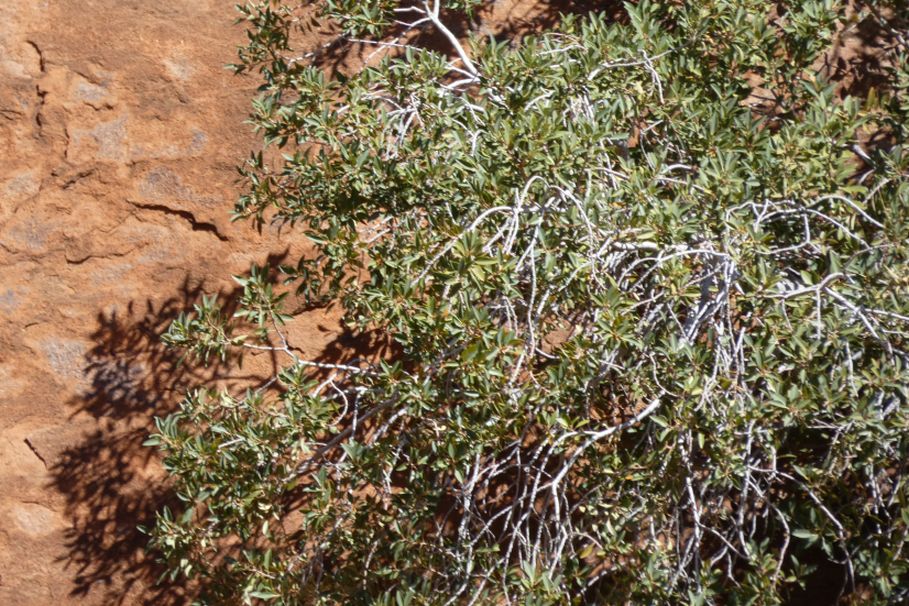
{"x": 112, "y": 484}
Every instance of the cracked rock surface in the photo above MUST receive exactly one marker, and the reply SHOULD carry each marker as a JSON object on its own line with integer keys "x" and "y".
{"x": 119, "y": 133}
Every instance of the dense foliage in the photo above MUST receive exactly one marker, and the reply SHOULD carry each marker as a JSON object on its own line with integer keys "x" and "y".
{"x": 648, "y": 285}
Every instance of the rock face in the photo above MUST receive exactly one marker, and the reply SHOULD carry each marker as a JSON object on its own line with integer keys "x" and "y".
{"x": 119, "y": 133}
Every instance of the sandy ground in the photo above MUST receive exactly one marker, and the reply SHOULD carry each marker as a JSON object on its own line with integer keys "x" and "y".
{"x": 119, "y": 133}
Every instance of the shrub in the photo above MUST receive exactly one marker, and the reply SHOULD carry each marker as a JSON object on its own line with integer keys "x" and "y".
{"x": 648, "y": 285}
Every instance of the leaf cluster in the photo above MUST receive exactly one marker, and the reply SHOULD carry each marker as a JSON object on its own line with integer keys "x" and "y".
{"x": 647, "y": 282}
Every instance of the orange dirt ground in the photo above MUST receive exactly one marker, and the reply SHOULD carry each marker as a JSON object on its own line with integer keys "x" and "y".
{"x": 119, "y": 133}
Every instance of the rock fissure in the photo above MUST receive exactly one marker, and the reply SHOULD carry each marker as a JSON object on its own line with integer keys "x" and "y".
{"x": 10, "y": 114}
{"x": 35, "y": 452}
{"x": 79, "y": 176}
{"x": 42, "y": 62}
{"x": 78, "y": 260}
{"x": 39, "y": 111}
{"x": 186, "y": 215}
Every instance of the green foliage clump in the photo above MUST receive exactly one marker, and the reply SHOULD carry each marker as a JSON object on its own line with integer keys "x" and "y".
{"x": 648, "y": 285}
